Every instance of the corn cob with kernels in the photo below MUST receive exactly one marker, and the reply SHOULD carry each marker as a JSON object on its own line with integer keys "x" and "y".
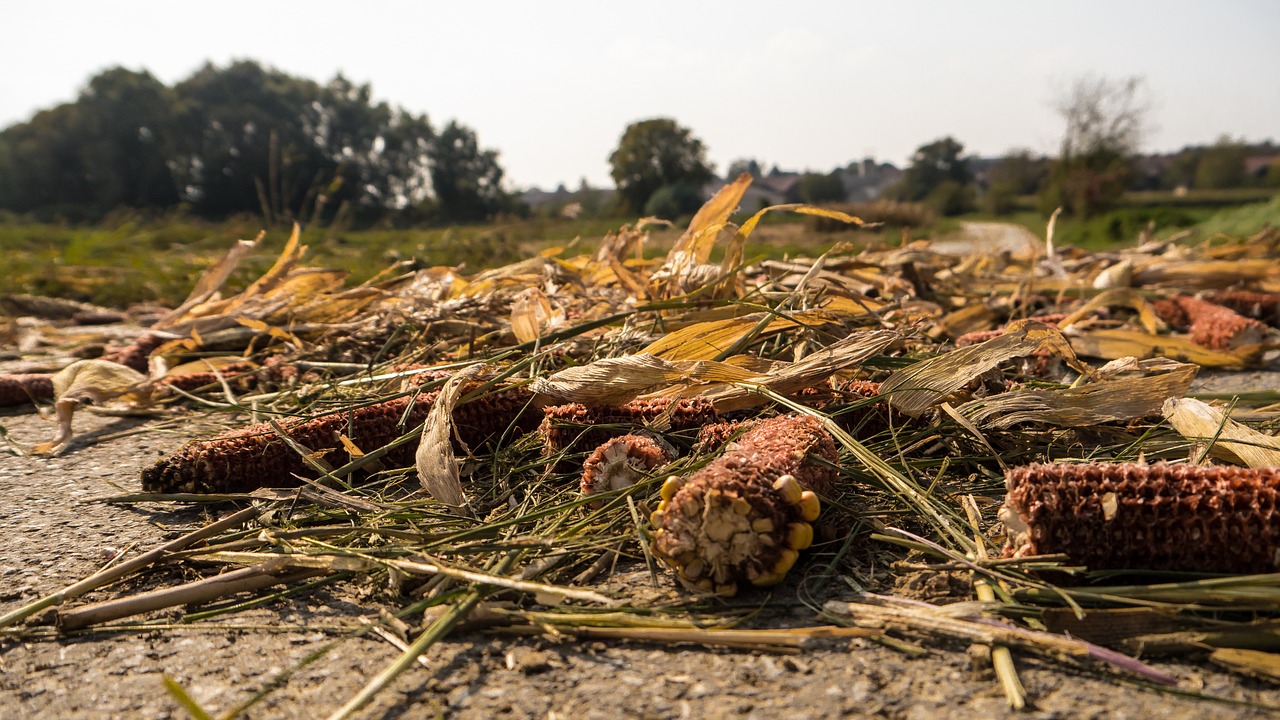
{"x": 1264, "y": 307}
{"x": 1210, "y": 325}
{"x": 255, "y": 456}
{"x": 746, "y": 516}
{"x": 1134, "y": 516}
{"x": 136, "y": 355}
{"x": 621, "y": 462}
{"x": 23, "y": 389}
{"x": 574, "y": 423}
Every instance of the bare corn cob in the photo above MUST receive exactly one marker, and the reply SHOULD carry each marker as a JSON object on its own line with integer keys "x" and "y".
{"x": 574, "y": 423}
{"x": 746, "y": 516}
{"x": 1210, "y": 325}
{"x": 1264, "y": 307}
{"x": 22, "y": 389}
{"x": 621, "y": 462}
{"x": 1146, "y": 517}
{"x": 136, "y": 355}
{"x": 238, "y": 375}
{"x": 256, "y": 456}
{"x": 713, "y": 437}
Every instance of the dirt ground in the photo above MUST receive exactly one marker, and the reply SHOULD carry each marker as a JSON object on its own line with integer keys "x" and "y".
{"x": 54, "y": 532}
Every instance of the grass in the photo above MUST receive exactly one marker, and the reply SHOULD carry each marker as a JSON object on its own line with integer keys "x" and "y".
{"x": 129, "y": 259}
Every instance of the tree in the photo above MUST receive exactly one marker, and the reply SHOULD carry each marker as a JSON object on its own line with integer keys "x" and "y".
{"x": 1018, "y": 173}
{"x": 655, "y": 153}
{"x": 818, "y": 188}
{"x": 109, "y": 148}
{"x": 939, "y": 174}
{"x": 466, "y": 179}
{"x": 1222, "y": 166}
{"x": 1105, "y": 119}
{"x": 744, "y": 165}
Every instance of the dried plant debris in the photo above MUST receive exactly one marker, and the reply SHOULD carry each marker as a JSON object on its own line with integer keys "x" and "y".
{"x": 540, "y": 402}
{"x": 623, "y": 461}
{"x": 746, "y": 516}
{"x": 1134, "y": 516}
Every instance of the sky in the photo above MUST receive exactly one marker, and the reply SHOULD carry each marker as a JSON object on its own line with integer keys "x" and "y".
{"x": 552, "y": 84}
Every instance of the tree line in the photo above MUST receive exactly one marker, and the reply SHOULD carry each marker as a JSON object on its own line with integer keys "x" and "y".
{"x": 659, "y": 165}
{"x": 244, "y": 139}
{"x": 251, "y": 139}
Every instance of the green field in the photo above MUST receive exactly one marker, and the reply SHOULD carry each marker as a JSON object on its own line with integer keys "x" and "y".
{"x": 131, "y": 259}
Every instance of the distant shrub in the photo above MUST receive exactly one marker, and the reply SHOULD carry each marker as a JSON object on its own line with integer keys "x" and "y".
{"x": 891, "y": 213}
{"x": 674, "y": 201}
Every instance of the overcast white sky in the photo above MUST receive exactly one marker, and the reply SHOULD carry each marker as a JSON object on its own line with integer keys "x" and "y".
{"x": 552, "y": 84}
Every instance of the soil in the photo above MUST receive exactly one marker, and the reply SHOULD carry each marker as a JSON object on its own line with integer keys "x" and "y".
{"x": 56, "y": 532}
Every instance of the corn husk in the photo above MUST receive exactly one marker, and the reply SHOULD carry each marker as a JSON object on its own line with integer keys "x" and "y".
{"x": 1231, "y": 441}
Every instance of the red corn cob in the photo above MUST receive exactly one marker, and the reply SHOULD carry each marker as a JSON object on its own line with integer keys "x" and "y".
{"x": 1264, "y": 307}
{"x": 747, "y": 514}
{"x": 22, "y": 389}
{"x": 621, "y": 462}
{"x": 1210, "y": 325}
{"x": 136, "y": 355}
{"x": 1146, "y": 517}
{"x": 713, "y": 437}
{"x": 255, "y": 456}
{"x": 566, "y": 425}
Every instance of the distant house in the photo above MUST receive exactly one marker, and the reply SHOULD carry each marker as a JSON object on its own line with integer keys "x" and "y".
{"x": 1257, "y": 166}
{"x": 868, "y": 180}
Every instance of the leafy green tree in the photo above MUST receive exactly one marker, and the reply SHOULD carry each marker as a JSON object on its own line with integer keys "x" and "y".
{"x": 1018, "y": 173}
{"x": 818, "y": 188}
{"x": 744, "y": 165}
{"x": 79, "y": 160}
{"x": 1105, "y": 119}
{"x": 938, "y": 173}
{"x": 466, "y": 179}
{"x": 672, "y": 202}
{"x": 247, "y": 144}
{"x": 654, "y": 153}
{"x": 1222, "y": 166}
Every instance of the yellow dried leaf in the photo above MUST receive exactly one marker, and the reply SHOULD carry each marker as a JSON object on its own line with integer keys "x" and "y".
{"x": 529, "y": 314}
{"x": 1115, "y": 343}
{"x": 436, "y": 464}
{"x": 1126, "y": 297}
{"x": 1198, "y": 421}
{"x": 1111, "y": 400}
{"x": 925, "y": 384}
{"x": 611, "y": 381}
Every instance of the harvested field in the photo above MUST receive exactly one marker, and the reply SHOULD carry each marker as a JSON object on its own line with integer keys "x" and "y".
{"x": 395, "y": 537}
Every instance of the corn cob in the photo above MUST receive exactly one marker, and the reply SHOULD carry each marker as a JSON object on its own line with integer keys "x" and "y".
{"x": 1210, "y": 325}
{"x": 620, "y": 462}
{"x": 747, "y": 514}
{"x": 1146, "y": 517}
{"x": 1264, "y": 307}
{"x": 713, "y": 437}
{"x": 238, "y": 375}
{"x": 567, "y": 425}
{"x": 22, "y": 389}
{"x": 136, "y": 355}
{"x": 253, "y": 457}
